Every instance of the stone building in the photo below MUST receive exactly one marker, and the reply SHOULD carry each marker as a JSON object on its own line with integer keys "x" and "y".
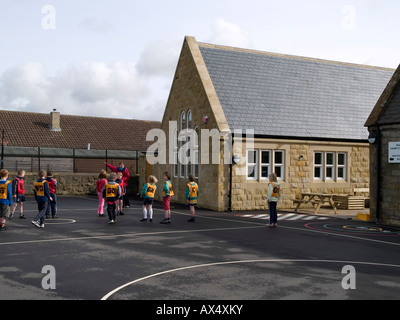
{"x": 307, "y": 117}
{"x": 74, "y": 147}
{"x": 384, "y": 127}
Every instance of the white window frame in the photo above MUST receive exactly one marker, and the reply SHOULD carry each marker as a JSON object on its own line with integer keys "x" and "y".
{"x": 272, "y": 165}
{"x": 319, "y": 165}
{"x": 331, "y": 166}
{"x": 342, "y": 166}
{"x": 252, "y": 164}
{"x": 279, "y": 165}
{"x": 265, "y": 164}
{"x": 334, "y": 166}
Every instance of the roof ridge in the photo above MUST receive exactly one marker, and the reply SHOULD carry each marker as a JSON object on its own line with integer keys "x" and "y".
{"x": 290, "y": 56}
{"x": 78, "y": 116}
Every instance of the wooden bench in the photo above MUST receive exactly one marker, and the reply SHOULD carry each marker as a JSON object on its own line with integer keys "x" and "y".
{"x": 316, "y": 199}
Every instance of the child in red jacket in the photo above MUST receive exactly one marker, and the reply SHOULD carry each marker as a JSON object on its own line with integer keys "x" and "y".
{"x": 100, "y": 183}
{"x": 18, "y": 192}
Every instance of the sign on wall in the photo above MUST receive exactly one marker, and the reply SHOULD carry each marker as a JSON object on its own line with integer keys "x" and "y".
{"x": 394, "y": 152}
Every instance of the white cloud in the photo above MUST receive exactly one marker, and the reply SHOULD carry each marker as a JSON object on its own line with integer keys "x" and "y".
{"x": 20, "y": 86}
{"x": 226, "y": 33}
{"x": 159, "y": 58}
{"x": 92, "y": 88}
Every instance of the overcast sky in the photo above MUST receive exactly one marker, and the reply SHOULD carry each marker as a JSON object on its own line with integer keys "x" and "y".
{"x": 117, "y": 58}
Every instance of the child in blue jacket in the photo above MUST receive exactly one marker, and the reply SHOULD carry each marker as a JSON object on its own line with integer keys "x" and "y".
{"x": 42, "y": 197}
{"x": 5, "y": 198}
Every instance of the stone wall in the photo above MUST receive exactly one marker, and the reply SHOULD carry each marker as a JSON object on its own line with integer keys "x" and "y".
{"x": 299, "y": 173}
{"x": 389, "y": 180}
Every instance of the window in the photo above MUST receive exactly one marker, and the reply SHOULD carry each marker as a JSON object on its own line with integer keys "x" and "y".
{"x": 196, "y": 164}
{"x": 175, "y": 163}
{"x": 341, "y": 166}
{"x": 252, "y": 159}
{"x": 318, "y": 165}
{"x": 330, "y": 166}
{"x": 183, "y": 121}
{"x": 189, "y": 156}
{"x": 265, "y": 164}
{"x": 189, "y": 119}
{"x": 260, "y": 164}
{"x": 279, "y": 160}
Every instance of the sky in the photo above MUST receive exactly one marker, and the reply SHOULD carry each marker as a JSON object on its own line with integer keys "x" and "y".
{"x": 118, "y": 58}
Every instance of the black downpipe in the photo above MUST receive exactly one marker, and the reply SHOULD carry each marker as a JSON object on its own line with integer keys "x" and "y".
{"x": 230, "y": 177}
{"x": 378, "y": 173}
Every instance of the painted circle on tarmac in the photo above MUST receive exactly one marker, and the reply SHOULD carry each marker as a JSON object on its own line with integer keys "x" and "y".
{"x": 60, "y": 221}
{"x": 241, "y": 262}
{"x": 355, "y": 229}
{"x": 363, "y": 228}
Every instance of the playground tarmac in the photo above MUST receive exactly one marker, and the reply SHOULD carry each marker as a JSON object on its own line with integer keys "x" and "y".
{"x": 222, "y": 256}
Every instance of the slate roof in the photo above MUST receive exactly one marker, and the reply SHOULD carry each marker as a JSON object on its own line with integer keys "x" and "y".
{"x": 288, "y": 96}
{"x": 387, "y": 109}
{"x": 391, "y": 114}
{"x": 26, "y": 129}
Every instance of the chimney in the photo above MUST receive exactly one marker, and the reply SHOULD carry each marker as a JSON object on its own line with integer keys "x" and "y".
{"x": 55, "y": 121}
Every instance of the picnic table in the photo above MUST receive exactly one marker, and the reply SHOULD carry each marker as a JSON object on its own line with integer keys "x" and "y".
{"x": 317, "y": 200}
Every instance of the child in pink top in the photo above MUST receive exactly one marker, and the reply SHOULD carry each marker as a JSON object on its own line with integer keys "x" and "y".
{"x": 100, "y": 183}
{"x": 119, "y": 201}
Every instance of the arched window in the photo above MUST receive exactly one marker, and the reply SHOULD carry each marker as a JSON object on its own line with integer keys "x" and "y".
{"x": 189, "y": 119}
{"x": 183, "y": 121}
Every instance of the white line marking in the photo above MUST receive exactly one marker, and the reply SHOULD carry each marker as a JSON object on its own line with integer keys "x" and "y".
{"x": 126, "y": 235}
{"x": 241, "y": 262}
{"x": 259, "y": 216}
{"x": 285, "y": 216}
{"x": 56, "y": 221}
{"x": 298, "y": 217}
{"x": 310, "y": 218}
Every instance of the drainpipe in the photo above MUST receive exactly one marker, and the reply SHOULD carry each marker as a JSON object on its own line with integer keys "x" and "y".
{"x": 230, "y": 177}
{"x": 378, "y": 172}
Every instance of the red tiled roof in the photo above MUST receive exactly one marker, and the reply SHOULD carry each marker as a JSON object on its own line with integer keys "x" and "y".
{"x": 26, "y": 129}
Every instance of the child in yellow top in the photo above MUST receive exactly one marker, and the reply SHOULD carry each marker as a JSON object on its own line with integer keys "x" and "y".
{"x": 5, "y": 198}
{"x": 148, "y": 192}
{"x": 192, "y": 192}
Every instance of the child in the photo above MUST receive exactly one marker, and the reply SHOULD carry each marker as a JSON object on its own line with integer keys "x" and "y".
{"x": 192, "y": 192}
{"x": 52, "y": 183}
{"x": 119, "y": 201}
{"x": 274, "y": 194}
{"x": 18, "y": 191}
{"x": 148, "y": 191}
{"x": 168, "y": 193}
{"x": 111, "y": 192}
{"x": 100, "y": 183}
{"x": 5, "y": 198}
{"x": 42, "y": 196}
{"x": 125, "y": 177}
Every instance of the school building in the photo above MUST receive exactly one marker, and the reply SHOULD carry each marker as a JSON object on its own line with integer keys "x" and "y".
{"x": 307, "y": 116}
{"x": 74, "y": 147}
{"x": 384, "y": 127}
